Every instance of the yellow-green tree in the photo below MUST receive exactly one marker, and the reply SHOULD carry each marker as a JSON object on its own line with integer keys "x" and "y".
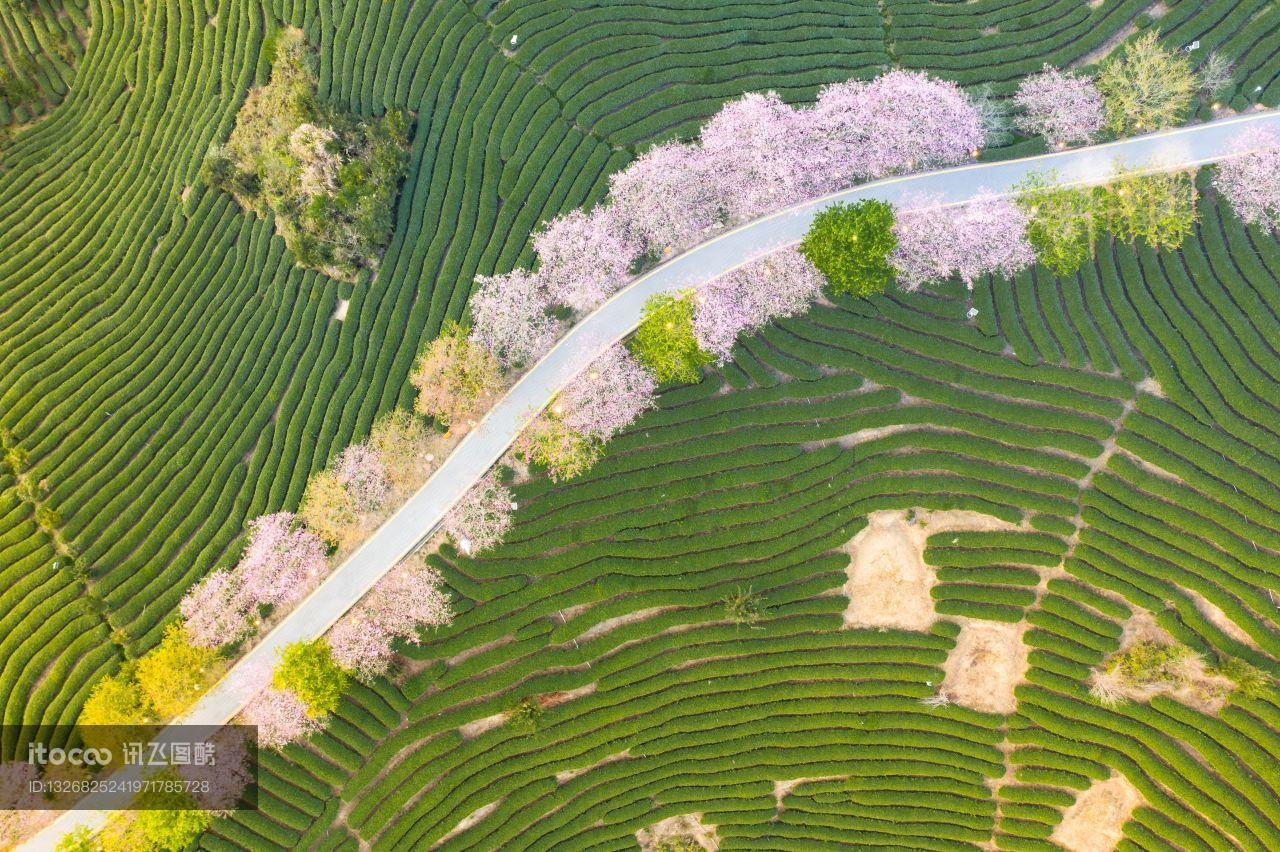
{"x": 175, "y": 673}
{"x": 1146, "y": 87}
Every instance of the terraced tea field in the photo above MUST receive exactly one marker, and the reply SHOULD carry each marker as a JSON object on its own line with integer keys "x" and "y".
{"x": 169, "y": 373}
{"x": 1087, "y": 449}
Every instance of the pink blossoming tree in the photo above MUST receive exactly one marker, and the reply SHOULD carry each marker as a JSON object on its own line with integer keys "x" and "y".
{"x": 606, "y": 397}
{"x": 509, "y": 317}
{"x": 282, "y": 561}
{"x": 985, "y": 236}
{"x": 481, "y": 518}
{"x": 406, "y": 598}
{"x": 668, "y": 196}
{"x": 1250, "y": 178}
{"x": 1063, "y": 108}
{"x": 901, "y": 121}
{"x": 214, "y": 611}
{"x": 757, "y": 157}
{"x": 585, "y": 257}
{"x": 280, "y": 716}
{"x": 779, "y": 285}
{"x": 360, "y": 469}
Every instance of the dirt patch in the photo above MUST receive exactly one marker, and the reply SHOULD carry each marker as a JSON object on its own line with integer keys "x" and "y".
{"x": 1094, "y": 821}
{"x": 341, "y": 313}
{"x": 1220, "y": 619}
{"x": 1184, "y": 678}
{"x": 1104, "y": 50}
{"x": 471, "y": 730}
{"x": 467, "y": 821}
{"x": 463, "y": 656}
{"x": 683, "y": 827}
{"x": 553, "y": 699}
{"x": 989, "y": 660}
{"x": 570, "y": 774}
{"x": 782, "y": 788}
{"x": 1151, "y": 386}
{"x": 889, "y": 583}
{"x": 603, "y": 627}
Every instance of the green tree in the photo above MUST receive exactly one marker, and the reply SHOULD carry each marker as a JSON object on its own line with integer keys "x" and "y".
{"x": 526, "y": 716}
{"x": 1146, "y": 87}
{"x": 175, "y": 673}
{"x": 665, "y": 342}
{"x": 116, "y": 700}
{"x": 1062, "y": 222}
{"x": 309, "y": 670}
{"x": 169, "y": 819}
{"x": 850, "y": 244}
{"x": 562, "y": 451}
{"x": 744, "y": 607}
{"x": 1158, "y": 208}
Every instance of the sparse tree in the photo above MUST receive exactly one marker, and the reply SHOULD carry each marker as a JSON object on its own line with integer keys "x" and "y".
{"x": 1146, "y": 87}
{"x": 455, "y": 377}
{"x": 564, "y": 452}
{"x": 1217, "y": 75}
{"x": 403, "y": 443}
{"x": 360, "y": 470}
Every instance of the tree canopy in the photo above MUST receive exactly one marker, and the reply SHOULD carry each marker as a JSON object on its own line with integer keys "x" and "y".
{"x": 665, "y": 342}
{"x": 850, "y": 244}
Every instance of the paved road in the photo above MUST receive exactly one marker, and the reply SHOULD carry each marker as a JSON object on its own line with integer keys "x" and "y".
{"x": 611, "y": 322}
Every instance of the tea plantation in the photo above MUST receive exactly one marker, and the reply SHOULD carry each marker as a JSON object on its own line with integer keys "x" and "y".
{"x": 168, "y": 372}
{"x": 606, "y": 602}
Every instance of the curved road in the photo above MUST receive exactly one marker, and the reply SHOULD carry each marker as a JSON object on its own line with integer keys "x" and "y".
{"x": 402, "y": 533}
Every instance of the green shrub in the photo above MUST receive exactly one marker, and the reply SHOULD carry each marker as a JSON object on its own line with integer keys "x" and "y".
{"x": 850, "y": 245}
{"x": 1158, "y": 208}
{"x": 526, "y": 716}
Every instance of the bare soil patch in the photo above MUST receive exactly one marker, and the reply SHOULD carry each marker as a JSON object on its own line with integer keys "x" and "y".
{"x": 989, "y": 660}
{"x": 553, "y": 699}
{"x": 782, "y": 788}
{"x": 1104, "y": 50}
{"x": 1220, "y": 619}
{"x": 1094, "y": 822}
{"x": 603, "y": 627}
{"x": 341, "y": 313}
{"x": 466, "y": 822}
{"x": 682, "y": 827}
{"x": 471, "y": 730}
{"x": 1151, "y": 386}
{"x": 569, "y": 774}
{"x": 889, "y": 583}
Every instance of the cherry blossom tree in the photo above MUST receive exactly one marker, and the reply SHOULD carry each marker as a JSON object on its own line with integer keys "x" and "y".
{"x": 900, "y": 121}
{"x": 1063, "y": 108}
{"x": 510, "y": 319}
{"x": 214, "y": 611}
{"x": 280, "y": 717}
{"x": 406, "y": 598}
{"x": 755, "y": 149}
{"x": 585, "y": 257}
{"x": 361, "y": 471}
{"x": 779, "y": 285}
{"x": 985, "y": 236}
{"x": 281, "y": 562}
{"x": 1250, "y": 178}
{"x": 668, "y": 196}
{"x": 606, "y": 397}
{"x": 482, "y": 517}
{"x": 218, "y": 785}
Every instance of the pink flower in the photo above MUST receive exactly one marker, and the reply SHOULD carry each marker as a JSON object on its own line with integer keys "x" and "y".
{"x": 282, "y": 562}
{"x": 360, "y": 469}
{"x": 1063, "y": 108}
{"x": 481, "y": 518}
{"x": 1250, "y": 178}
{"x": 214, "y": 612}
{"x": 280, "y": 716}
{"x": 985, "y": 236}
{"x": 669, "y": 196}
{"x": 406, "y": 598}
{"x": 509, "y": 317}
{"x": 901, "y": 121}
{"x": 606, "y": 397}
{"x": 757, "y": 154}
{"x": 779, "y": 285}
{"x": 585, "y": 257}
